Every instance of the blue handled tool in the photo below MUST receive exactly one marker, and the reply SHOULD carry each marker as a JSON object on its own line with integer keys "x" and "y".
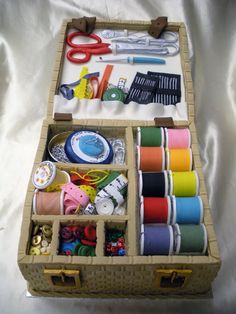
{"x": 131, "y": 60}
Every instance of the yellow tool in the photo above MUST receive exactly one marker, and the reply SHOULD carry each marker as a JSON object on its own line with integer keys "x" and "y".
{"x": 83, "y": 90}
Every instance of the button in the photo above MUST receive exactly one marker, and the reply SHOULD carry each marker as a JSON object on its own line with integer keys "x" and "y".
{"x": 86, "y": 251}
{"x": 44, "y": 175}
{"x": 34, "y": 251}
{"x": 44, "y": 243}
{"x": 90, "y": 233}
{"x": 87, "y": 242}
{"x": 104, "y": 206}
{"x": 47, "y": 230}
{"x": 36, "y": 240}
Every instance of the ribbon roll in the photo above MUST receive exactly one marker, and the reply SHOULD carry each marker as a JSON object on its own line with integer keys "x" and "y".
{"x": 155, "y": 210}
{"x": 150, "y": 137}
{"x": 150, "y": 158}
{"x": 48, "y": 203}
{"x": 74, "y": 198}
{"x": 184, "y": 183}
{"x": 190, "y": 239}
{"x": 178, "y": 138}
{"x": 156, "y": 239}
{"x": 153, "y": 184}
{"x": 179, "y": 159}
{"x": 187, "y": 210}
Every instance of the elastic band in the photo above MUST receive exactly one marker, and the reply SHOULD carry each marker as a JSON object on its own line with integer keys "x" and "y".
{"x": 96, "y": 179}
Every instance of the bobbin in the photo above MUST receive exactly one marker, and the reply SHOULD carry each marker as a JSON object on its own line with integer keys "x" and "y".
{"x": 139, "y": 137}
{"x": 171, "y": 182}
{"x": 139, "y": 157}
{"x": 177, "y": 240}
{"x": 142, "y": 210}
{"x": 35, "y": 210}
{"x": 142, "y": 238}
{"x": 165, "y": 179}
{"x": 174, "y": 209}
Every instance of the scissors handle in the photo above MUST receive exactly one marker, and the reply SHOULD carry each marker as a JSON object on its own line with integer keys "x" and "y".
{"x": 88, "y": 52}
{"x": 71, "y": 36}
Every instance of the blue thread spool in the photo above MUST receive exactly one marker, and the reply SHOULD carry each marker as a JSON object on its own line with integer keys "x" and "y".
{"x": 187, "y": 210}
{"x": 156, "y": 239}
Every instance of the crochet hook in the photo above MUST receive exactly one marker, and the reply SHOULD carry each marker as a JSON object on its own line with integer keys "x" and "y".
{"x": 147, "y": 60}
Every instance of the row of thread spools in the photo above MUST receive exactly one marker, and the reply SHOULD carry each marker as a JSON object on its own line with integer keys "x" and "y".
{"x": 171, "y": 211}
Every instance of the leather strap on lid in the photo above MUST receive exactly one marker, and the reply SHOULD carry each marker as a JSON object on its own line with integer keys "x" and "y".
{"x": 164, "y": 122}
{"x": 84, "y": 24}
{"x": 157, "y": 26}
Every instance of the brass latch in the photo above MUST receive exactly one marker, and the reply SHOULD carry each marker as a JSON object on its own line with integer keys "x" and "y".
{"x": 171, "y": 278}
{"x": 63, "y": 278}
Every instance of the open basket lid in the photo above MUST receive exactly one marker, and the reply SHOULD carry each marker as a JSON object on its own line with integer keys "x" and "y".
{"x": 62, "y": 109}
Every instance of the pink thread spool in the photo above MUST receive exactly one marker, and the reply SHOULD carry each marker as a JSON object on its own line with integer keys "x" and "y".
{"x": 178, "y": 138}
{"x": 48, "y": 203}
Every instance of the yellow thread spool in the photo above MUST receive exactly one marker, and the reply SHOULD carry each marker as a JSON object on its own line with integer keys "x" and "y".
{"x": 184, "y": 183}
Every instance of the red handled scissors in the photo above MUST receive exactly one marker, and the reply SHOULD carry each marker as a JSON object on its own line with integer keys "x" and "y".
{"x": 97, "y": 48}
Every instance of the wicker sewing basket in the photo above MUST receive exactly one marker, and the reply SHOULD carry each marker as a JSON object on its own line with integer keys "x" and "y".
{"x": 131, "y": 275}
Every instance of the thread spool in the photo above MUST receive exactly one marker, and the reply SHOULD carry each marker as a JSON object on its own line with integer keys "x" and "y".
{"x": 184, "y": 183}
{"x": 178, "y": 138}
{"x": 179, "y": 159}
{"x": 190, "y": 239}
{"x": 48, "y": 203}
{"x": 47, "y": 174}
{"x": 156, "y": 239}
{"x": 150, "y": 158}
{"x": 187, "y": 210}
{"x": 150, "y": 137}
{"x": 153, "y": 184}
{"x": 155, "y": 210}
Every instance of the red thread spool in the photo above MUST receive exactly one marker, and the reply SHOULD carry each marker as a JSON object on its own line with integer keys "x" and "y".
{"x": 155, "y": 210}
{"x": 150, "y": 158}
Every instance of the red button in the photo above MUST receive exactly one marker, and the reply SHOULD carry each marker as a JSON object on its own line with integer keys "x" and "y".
{"x": 90, "y": 233}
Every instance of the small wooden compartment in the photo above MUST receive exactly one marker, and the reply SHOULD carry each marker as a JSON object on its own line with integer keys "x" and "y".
{"x": 102, "y": 275}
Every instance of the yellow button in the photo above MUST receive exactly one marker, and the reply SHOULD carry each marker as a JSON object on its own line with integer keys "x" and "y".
{"x": 47, "y": 230}
{"x": 36, "y": 240}
{"x": 34, "y": 251}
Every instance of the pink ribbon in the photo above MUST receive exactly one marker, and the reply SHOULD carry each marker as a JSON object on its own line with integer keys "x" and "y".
{"x": 74, "y": 198}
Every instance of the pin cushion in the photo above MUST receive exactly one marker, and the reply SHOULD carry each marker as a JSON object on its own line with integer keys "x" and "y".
{"x": 88, "y": 147}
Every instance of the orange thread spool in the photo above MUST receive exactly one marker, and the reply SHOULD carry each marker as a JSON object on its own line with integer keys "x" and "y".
{"x": 179, "y": 159}
{"x": 151, "y": 158}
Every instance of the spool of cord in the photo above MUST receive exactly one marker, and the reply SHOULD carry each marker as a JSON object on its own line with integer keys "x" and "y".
{"x": 187, "y": 210}
{"x": 156, "y": 239}
{"x": 150, "y": 158}
{"x": 155, "y": 210}
{"x": 112, "y": 94}
{"x": 178, "y": 138}
{"x": 184, "y": 183}
{"x": 190, "y": 239}
{"x": 179, "y": 159}
{"x": 48, "y": 203}
{"x": 150, "y": 136}
{"x": 153, "y": 184}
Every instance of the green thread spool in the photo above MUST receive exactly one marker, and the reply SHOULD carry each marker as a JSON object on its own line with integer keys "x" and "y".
{"x": 190, "y": 239}
{"x": 150, "y": 136}
{"x": 114, "y": 94}
{"x": 184, "y": 183}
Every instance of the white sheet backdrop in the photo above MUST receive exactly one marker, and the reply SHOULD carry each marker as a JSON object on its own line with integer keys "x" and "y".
{"x": 28, "y": 36}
